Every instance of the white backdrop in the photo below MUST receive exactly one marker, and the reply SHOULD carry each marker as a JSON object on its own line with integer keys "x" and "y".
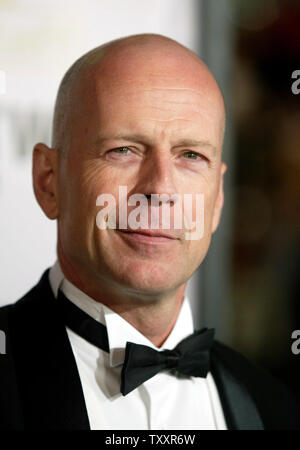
{"x": 39, "y": 40}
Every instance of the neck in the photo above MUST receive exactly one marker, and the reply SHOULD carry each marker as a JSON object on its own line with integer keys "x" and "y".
{"x": 153, "y": 314}
{"x": 155, "y": 320}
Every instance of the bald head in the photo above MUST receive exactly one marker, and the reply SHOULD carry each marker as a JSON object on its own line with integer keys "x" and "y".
{"x": 140, "y": 59}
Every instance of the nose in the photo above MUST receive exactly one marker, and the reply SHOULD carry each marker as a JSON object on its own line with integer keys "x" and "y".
{"x": 156, "y": 175}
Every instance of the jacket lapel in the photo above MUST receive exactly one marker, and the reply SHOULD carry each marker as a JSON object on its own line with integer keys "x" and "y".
{"x": 47, "y": 375}
{"x": 239, "y": 407}
{"x": 11, "y": 417}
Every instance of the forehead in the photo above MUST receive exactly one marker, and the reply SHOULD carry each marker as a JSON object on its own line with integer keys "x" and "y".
{"x": 169, "y": 97}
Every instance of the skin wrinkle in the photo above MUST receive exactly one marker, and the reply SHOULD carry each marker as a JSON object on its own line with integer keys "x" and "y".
{"x": 141, "y": 139}
{"x": 182, "y": 103}
{"x": 107, "y": 91}
{"x": 176, "y": 118}
{"x": 156, "y": 95}
{"x": 200, "y": 94}
{"x": 211, "y": 161}
{"x": 173, "y": 89}
{"x": 207, "y": 98}
{"x": 169, "y": 120}
{"x": 167, "y": 109}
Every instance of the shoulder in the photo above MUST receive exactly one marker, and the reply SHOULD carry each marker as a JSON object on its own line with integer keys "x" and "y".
{"x": 28, "y": 302}
{"x": 18, "y": 324}
{"x": 11, "y": 417}
{"x": 18, "y": 320}
{"x": 17, "y": 317}
{"x": 4, "y": 312}
{"x": 275, "y": 402}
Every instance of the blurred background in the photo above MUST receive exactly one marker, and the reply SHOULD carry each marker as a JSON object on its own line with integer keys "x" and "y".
{"x": 248, "y": 286}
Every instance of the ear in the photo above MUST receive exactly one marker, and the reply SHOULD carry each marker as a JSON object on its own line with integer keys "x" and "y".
{"x": 45, "y": 179}
{"x": 219, "y": 200}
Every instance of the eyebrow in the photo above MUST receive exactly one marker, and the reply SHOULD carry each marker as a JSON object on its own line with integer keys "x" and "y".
{"x": 139, "y": 138}
{"x": 194, "y": 143}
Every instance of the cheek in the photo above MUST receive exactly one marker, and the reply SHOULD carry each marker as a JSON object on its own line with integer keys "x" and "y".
{"x": 97, "y": 177}
{"x": 76, "y": 199}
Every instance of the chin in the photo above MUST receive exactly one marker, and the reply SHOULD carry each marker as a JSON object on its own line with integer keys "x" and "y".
{"x": 150, "y": 277}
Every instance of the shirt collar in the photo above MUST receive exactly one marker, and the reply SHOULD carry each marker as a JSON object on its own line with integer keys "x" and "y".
{"x": 119, "y": 330}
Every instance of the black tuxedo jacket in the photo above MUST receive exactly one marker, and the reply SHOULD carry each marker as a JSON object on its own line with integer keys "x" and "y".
{"x": 40, "y": 388}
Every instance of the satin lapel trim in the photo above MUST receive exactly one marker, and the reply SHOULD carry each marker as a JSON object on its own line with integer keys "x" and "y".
{"x": 48, "y": 378}
{"x": 239, "y": 407}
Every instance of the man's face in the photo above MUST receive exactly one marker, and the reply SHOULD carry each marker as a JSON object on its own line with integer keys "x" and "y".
{"x": 155, "y": 132}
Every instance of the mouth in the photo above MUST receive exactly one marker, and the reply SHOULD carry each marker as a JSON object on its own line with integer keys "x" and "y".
{"x": 148, "y": 236}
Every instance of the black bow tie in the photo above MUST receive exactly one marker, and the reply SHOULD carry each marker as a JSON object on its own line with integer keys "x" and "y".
{"x": 190, "y": 357}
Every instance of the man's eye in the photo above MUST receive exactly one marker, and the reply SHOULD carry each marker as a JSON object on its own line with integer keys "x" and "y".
{"x": 193, "y": 156}
{"x": 120, "y": 150}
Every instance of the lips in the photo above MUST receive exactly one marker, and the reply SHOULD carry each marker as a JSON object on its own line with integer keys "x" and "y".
{"x": 138, "y": 238}
{"x": 150, "y": 233}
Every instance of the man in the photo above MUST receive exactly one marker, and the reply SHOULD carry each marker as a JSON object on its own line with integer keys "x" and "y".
{"x": 91, "y": 346}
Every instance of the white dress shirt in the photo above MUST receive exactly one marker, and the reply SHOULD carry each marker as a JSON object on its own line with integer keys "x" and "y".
{"x": 164, "y": 402}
